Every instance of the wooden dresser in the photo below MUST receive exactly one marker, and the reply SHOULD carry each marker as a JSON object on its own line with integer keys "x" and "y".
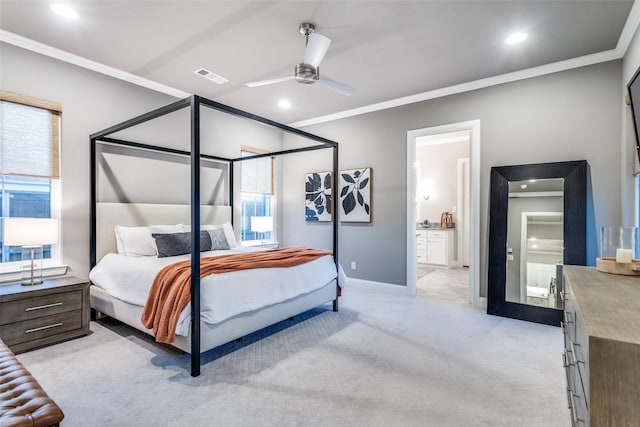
{"x": 35, "y": 316}
{"x": 602, "y": 347}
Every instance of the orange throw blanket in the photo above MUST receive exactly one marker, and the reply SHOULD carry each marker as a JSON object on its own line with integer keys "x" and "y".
{"x": 171, "y": 289}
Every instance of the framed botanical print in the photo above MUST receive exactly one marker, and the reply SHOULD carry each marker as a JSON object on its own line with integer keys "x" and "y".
{"x": 318, "y": 196}
{"x": 355, "y": 195}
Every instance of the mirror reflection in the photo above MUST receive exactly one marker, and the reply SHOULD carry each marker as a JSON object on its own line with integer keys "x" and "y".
{"x": 535, "y": 242}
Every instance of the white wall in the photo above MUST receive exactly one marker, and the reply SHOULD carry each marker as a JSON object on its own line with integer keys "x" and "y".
{"x": 438, "y": 165}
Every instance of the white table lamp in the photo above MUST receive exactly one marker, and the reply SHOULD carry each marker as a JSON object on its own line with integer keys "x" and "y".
{"x": 261, "y": 224}
{"x": 31, "y": 234}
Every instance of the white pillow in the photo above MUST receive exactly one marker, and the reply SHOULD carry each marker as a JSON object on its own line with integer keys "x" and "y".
{"x": 138, "y": 241}
{"x": 228, "y": 232}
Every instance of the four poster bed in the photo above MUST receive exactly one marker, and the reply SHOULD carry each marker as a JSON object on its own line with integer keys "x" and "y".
{"x": 133, "y": 250}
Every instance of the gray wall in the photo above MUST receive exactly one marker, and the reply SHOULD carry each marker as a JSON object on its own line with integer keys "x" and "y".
{"x": 629, "y": 157}
{"x": 90, "y": 102}
{"x": 570, "y": 115}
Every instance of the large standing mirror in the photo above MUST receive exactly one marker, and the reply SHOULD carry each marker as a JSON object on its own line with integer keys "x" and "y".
{"x": 537, "y": 224}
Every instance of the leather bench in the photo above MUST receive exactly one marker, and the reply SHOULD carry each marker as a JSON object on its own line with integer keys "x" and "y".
{"x": 22, "y": 401}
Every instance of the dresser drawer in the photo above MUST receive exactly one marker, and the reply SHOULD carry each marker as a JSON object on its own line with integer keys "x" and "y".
{"x": 34, "y": 329}
{"x": 39, "y": 306}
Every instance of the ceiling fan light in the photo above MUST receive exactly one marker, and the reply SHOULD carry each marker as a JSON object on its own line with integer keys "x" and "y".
{"x": 317, "y": 46}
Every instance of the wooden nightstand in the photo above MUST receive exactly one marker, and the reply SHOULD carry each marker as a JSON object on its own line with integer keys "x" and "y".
{"x": 35, "y": 316}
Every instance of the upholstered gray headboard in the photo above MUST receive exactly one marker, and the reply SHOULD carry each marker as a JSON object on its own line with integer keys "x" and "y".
{"x": 108, "y": 215}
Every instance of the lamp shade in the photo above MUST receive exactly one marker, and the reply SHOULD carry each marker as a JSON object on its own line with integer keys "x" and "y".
{"x": 30, "y": 231}
{"x": 262, "y": 224}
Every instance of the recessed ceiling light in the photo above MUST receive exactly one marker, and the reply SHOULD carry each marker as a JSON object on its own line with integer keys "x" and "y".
{"x": 284, "y": 104}
{"x": 64, "y": 10}
{"x": 523, "y": 186}
{"x": 532, "y": 180}
{"x": 516, "y": 38}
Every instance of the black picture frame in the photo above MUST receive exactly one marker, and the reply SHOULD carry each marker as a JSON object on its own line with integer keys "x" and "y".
{"x": 574, "y": 228}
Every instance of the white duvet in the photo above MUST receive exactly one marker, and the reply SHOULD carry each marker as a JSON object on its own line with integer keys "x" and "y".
{"x": 222, "y": 295}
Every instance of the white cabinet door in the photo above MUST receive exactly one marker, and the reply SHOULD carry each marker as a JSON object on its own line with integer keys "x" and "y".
{"x": 437, "y": 251}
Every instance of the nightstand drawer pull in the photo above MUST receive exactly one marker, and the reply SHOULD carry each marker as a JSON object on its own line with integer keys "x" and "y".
{"x": 40, "y": 307}
{"x": 42, "y": 328}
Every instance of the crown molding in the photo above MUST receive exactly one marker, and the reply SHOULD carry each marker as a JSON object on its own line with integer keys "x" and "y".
{"x": 41, "y": 48}
{"x": 629, "y": 30}
{"x": 626, "y": 36}
{"x": 528, "y": 73}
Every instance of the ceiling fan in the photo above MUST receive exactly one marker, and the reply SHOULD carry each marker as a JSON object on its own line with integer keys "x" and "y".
{"x": 308, "y": 71}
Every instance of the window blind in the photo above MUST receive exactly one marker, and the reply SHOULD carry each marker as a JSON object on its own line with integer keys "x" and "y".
{"x": 29, "y": 136}
{"x": 257, "y": 174}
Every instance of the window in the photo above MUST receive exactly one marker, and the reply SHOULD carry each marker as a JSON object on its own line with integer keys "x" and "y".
{"x": 29, "y": 164}
{"x": 257, "y": 196}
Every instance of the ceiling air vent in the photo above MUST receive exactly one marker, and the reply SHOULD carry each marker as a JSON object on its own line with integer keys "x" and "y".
{"x": 211, "y": 76}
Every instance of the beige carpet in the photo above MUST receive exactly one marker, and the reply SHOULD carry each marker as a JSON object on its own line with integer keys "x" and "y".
{"x": 385, "y": 359}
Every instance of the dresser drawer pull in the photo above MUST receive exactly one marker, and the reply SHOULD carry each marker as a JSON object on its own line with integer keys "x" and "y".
{"x": 573, "y": 350}
{"x": 572, "y": 406}
{"x": 567, "y": 319}
{"x": 40, "y": 307}
{"x": 42, "y": 328}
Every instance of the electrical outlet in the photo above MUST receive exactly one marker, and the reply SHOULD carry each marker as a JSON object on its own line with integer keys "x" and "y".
{"x": 454, "y": 209}
{"x": 353, "y": 265}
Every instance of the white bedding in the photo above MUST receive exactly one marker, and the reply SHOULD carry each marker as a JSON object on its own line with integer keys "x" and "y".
{"x": 222, "y": 295}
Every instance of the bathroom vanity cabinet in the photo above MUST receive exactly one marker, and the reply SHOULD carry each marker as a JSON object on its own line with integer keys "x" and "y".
{"x": 601, "y": 354}
{"x": 435, "y": 246}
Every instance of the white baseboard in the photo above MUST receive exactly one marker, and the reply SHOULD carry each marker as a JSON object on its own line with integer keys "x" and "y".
{"x": 380, "y": 286}
{"x": 480, "y": 303}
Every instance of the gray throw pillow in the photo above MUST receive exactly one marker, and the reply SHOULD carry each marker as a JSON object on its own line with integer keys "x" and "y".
{"x": 218, "y": 240}
{"x": 179, "y": 243}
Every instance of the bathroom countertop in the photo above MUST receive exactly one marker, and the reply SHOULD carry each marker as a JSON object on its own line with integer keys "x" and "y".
{"x": 434, "y": 228}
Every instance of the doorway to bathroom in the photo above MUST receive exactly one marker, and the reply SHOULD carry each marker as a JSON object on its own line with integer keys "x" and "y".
{"x": 442, "y": 210}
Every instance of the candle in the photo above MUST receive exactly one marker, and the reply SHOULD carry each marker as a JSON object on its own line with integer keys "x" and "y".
{"x": 623, "y": 255}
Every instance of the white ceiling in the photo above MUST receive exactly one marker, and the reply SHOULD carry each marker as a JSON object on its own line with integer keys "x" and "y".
{"x": 385, "y": 49}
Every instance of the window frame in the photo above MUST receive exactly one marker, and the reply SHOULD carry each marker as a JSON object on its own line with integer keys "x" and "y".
{"x": 10, "y": 271}
{"x": 272, "y": 195}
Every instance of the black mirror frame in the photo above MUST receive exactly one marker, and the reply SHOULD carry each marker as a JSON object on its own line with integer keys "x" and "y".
{"x": 575, "y": 227}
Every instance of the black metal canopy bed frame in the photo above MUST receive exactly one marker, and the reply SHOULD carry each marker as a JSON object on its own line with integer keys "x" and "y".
{"x": 194, "y": 104}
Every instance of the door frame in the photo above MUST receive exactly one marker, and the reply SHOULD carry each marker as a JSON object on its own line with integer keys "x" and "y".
{"x": 473, "y": 126}
{"x": 463, "y": 202}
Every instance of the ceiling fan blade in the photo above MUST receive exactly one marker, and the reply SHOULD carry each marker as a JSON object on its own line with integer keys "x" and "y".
{"x": 268, "y": 82}
{"x": 336, "y": 86}
{"x": 316, "y": 49}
